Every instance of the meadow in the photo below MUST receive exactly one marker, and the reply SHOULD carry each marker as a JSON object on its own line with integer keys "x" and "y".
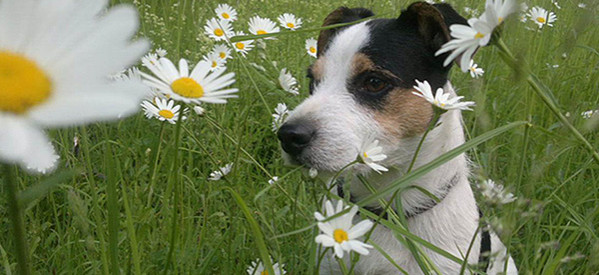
{"x": 134, "y": 196}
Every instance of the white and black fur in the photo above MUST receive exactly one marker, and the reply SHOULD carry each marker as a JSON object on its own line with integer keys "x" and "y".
{"x": 361, "y": 89}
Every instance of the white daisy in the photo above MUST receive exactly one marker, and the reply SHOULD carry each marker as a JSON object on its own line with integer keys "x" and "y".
{"x": 222, "y": 51}
{"x": 199, "y": 110}
{"x": 582, "y": 5}
{"x": 151, "y": 58}
{"x": 161, "y": 52}
{"x": 128, "y": 74}
{"x": 289, "y": 21}
{"x": 339, "y": 232}
{"x": 311, "y": 47}
{"x": 215, "y": 61}
{"x": 371, "y": 153}
{"x": 497, "y": 10}
{"x": 226, "y": 12}
{"x": 588, "y": 114}
{"x": 466, "y": 41}
{"x": 243, "y": 47}
{"x": 201, "y": 85}
{"x": 58, "y": 72}
{"x": 494, "y": 193}
{"x": 218, "y": 29}
{"x": 542, "y": 17}
{"x": 162, "y": 109}
{"x": 475, "y": 71}
{"x": 288, "y": 82}
{"x": 273, "y": 180}
{"x": 257, "y": 268}
{"x": 259, "y": 25}
{"x": 221, "y": 172}
{"x": 441, "y": 99}
{"x": 279, "y": 117}
{"x": 313, "y": 173}
{"x": 522, "y": 13}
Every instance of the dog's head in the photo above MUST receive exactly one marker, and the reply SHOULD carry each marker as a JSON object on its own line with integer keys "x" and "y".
{"x": 362, "y": 82}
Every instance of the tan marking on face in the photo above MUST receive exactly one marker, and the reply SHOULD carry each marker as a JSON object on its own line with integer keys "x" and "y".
{"x": 361, "y": 63}
{"x": 404, "y": 114}
{"x": 318, "y": 68}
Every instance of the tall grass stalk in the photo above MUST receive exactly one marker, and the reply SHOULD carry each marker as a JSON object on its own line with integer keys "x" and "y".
{"x": 15, "y": 212}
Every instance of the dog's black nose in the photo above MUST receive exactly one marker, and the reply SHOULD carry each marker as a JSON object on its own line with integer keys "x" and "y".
{"x": 295, "y": 137}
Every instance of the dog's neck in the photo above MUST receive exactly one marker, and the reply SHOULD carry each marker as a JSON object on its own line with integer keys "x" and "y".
{"x": 446, "y": 136}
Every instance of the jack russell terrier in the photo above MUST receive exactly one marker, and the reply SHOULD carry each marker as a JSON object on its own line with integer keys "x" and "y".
{"x": 361, "y": 87}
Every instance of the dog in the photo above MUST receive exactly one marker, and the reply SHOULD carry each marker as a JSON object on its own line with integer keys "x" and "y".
{"x": 361, "y": 87}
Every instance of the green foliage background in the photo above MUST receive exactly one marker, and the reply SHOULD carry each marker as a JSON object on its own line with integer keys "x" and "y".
{"x": 553, "y": 228}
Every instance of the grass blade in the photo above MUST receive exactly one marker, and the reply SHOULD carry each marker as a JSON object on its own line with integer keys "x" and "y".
{"x": 256, "y": 231}
{"x": 407, "y": 179}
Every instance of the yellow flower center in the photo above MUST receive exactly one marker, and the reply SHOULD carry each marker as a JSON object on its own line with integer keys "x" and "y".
{"x": 261, "y": 32}
{"x": 166, "y": 114}
{"x": 290, "y": 25}
{"x": 265, "y": 272}
{"x": 541, "y": 20}
{"x": 479, "y": 35}
{"x": 214, "y": 64}
{"x": 365, "y": 155}
{"x": 340, "y": 235}
{"x": 222, "y": 55}
{"x": 240, "y": 45}
{"x": 219, "y": 32}
{"x": 225, "y": 15}
{"x": 22, "y": 83}
{"x": 500, "y": 20}
{"x": 312, "y": 49}
{"x": 187, "y": 87}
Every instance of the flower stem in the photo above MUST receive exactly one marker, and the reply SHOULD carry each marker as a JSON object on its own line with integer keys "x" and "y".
{"x": 543, "y": 92}
{"x": 431, "y": 126}
{"x": 175, "y": 180}
{"x": 15, "y": 214}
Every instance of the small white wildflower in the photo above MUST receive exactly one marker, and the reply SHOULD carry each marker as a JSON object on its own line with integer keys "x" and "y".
{"x": 257, "y": 268}
{"x": 288, "y": 82}
{"x": 218, "y": 29}
{"x": 475, "y": 71}
{"x": 542, "y": 17}
{"x": 494, "y": 192}
{"x": 273, "y": 180}
{"x": 162, "y": 109}
{"x": 161, "y": 52}
{"x": 199, "y": 110}
{"x": 243, "y": 47}
{"x": 226, "y": 12}
{"x": 339, "y": 232}
{"x": 311, "y": 47}
{"x": 289, "y": 21}
{"x": 371, "y": 153}
{"x": 312, "y": 173}
{"x": 259, "y": 26}
{"x": 582, "y": 5}
{"x": 441, "y": 99}
{"x": 221, "y": 172}
{"x": 279, "y": 117}
{"x": 588, "y": 114}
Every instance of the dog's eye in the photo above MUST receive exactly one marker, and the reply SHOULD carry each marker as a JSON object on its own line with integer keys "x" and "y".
{"x": 375, "y": 84}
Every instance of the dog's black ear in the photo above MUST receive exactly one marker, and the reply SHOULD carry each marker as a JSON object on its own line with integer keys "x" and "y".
{"x": 338, "y": 16}
{"x": 432, "y": 22}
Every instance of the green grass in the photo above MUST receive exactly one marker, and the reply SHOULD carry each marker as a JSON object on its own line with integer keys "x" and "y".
{"x": 116, "y": 213}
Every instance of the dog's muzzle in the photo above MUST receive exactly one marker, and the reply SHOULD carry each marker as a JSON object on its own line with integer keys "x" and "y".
{"x": 295, "y": 137}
